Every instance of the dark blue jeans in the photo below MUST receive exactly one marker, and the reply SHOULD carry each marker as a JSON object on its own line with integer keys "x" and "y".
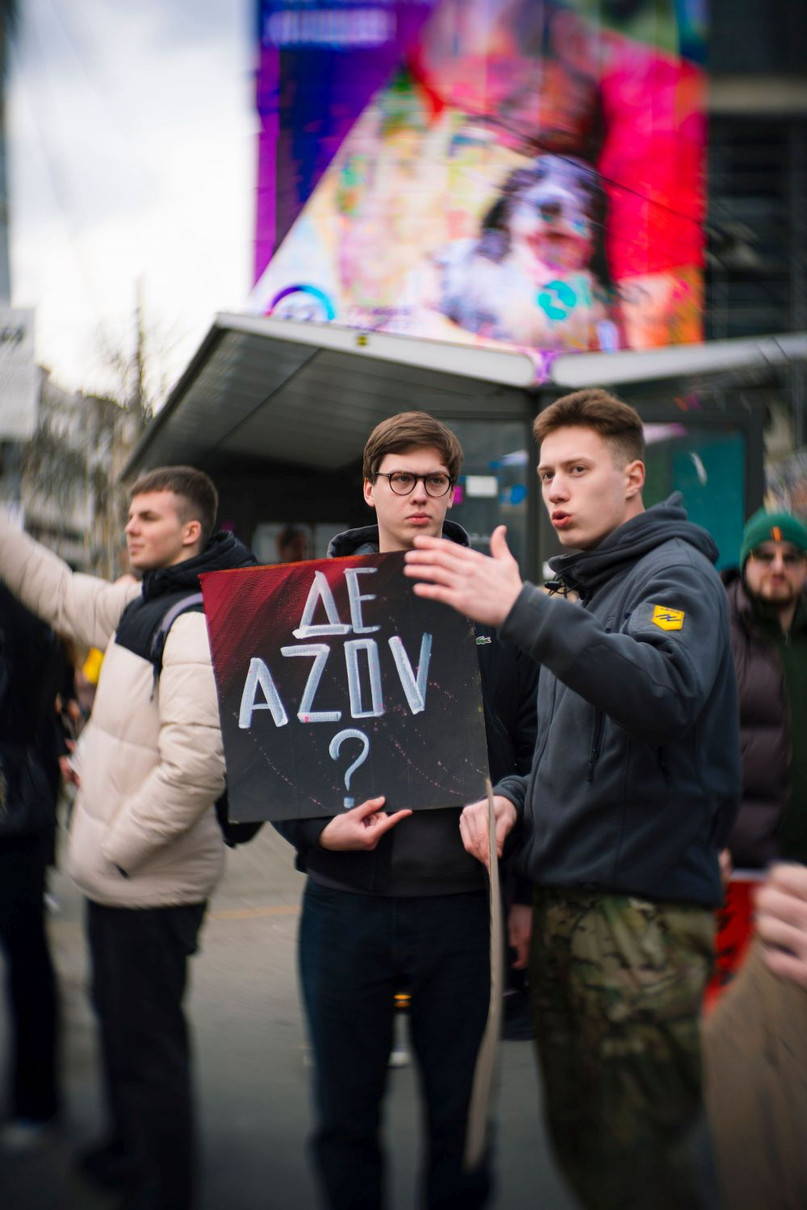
{"x": 139, "y": 969}
{"x": 356, "y": 952}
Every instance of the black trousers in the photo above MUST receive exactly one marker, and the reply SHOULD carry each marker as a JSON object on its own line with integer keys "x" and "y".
{"x": 139, "y": 974}
{"x": 31, "y": 991}
{"x": 356, "y": 951}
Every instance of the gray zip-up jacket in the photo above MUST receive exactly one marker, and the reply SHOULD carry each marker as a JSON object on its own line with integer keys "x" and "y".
{"x": 636, "y": 775}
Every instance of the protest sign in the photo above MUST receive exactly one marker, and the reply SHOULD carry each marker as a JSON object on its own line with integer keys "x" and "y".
{"x": 337, "y": 684}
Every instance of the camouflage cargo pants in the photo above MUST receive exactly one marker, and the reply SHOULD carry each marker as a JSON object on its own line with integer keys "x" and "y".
{"x": 616, "y": 985}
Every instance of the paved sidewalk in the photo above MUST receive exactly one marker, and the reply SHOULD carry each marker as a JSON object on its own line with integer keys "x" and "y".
{"x": 252, "y": 1077}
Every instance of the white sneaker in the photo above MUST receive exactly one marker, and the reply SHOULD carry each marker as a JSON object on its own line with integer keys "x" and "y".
{"x": 399, "y": 1056}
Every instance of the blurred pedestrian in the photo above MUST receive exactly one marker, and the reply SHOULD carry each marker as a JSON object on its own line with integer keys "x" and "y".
{"x": 30, "y": 669}
{"x": 292, "y": 544}
{"x": 769, "y": 641}
{"x": 145, "y": 846}
{"x": 393, "y": 902}
{"x": 633, "y": 787}
{"x": 755, "y": 1043}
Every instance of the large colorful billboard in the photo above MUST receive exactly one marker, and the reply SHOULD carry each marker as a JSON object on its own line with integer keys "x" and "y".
{"x": 523, "y": 173}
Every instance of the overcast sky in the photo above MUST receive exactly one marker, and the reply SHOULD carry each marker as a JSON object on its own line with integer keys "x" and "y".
{"x": 132, "y": 136}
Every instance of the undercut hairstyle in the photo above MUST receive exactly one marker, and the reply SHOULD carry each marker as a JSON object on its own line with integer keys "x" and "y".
{"x": 617, "y": 423}
{"x": 408, "y": 431}
{"x": 197, "y": 495}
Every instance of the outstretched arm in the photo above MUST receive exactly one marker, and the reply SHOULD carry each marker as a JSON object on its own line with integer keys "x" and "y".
{"x": 84, "y": 607}
{"x": 651, "y": 680}
{"x": 482, "y": 587}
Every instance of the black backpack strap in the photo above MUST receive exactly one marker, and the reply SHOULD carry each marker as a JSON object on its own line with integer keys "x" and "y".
{"x": 194, "y": 602}
{"x": 232, "y": 832}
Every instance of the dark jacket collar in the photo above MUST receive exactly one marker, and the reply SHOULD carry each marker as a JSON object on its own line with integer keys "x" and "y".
{"x": 223, "y": 552}
{"x": 585, "y": 571}
{"x": 364, "y": 540}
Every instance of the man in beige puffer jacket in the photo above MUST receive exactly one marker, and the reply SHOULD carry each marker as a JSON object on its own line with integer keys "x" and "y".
{"x": 145, "y": 846}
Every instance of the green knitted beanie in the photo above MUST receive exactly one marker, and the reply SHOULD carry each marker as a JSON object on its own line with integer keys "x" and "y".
{"x": 772, "y": 527}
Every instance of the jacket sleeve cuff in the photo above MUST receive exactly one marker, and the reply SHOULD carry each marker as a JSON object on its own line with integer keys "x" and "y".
{"x": 514, "y": 789}
{"x": 525, "y": 622}
{"x": 312, "y": 830}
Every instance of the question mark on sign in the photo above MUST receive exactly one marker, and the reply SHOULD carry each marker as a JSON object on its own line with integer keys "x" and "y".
{"x": 333, "y": 750}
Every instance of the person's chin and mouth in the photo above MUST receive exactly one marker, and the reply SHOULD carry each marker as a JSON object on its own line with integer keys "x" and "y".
{"x": 138, "y": 563}
{"x": 570, "y": 533}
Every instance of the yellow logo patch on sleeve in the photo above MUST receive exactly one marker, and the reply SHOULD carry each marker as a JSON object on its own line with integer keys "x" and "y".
{"x": 667, "y": 619}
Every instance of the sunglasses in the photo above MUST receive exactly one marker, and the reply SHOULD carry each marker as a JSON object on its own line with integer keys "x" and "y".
{"x": 767, "y": 557}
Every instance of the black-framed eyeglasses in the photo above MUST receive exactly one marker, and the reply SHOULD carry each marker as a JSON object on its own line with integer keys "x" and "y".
{"x": 403, "y": 482}
{"x": 790, "y": 558}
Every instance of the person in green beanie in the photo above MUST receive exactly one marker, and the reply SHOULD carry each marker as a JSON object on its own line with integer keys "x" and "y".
{"x": 769, "y": 641}
{"x": 754, "y": 1036}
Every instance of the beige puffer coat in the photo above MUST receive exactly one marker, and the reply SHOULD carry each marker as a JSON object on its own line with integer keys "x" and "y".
{"x": 143, "y": 830}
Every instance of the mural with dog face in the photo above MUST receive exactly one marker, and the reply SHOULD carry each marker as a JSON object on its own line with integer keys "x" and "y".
{"x": 517, "y": 172}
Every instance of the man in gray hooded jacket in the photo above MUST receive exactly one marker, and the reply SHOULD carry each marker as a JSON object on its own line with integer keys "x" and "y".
{"x": 634, "y": 784}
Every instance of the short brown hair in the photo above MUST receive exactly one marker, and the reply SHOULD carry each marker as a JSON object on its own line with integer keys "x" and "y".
{"x": 199, "y": 500}
{"x": 616, "y": 422}
{"x": 406, "y": 431}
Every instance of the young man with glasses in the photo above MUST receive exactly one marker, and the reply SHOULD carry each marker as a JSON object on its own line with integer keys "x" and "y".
{"x": 394, "y": 902}
{"x": 769, "y": 640}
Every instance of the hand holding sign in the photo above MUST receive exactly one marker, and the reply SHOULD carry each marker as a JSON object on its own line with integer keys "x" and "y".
{"x": 362, "y": 828}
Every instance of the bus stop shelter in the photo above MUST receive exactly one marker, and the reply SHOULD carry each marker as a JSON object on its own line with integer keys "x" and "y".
{"x": 277, "y": 412}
